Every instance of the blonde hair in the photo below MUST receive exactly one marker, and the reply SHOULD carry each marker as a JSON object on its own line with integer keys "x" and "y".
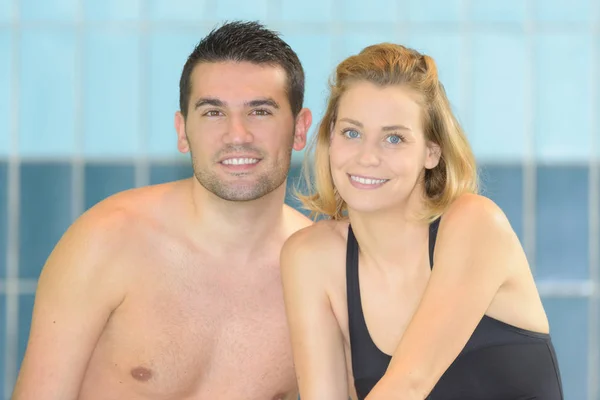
{"x": 389, "y": 64}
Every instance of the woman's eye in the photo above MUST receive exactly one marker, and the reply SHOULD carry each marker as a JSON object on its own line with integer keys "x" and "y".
{"x": 351, "y": 134}
{"x": 394, "y": 139}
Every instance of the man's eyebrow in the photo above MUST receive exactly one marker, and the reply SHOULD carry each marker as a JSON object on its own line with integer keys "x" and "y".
{"x": 209, "y": 101}
{"x": 262, "y": 102}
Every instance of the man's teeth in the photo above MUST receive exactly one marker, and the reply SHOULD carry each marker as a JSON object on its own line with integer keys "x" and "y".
{"x": 240, "y": 161}
{"x": 367, "y": 181}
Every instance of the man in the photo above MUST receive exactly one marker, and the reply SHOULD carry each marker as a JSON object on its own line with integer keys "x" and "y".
{"x": 173, "y": 291}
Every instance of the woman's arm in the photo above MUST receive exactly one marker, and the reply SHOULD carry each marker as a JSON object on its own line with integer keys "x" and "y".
{"x": 317, "y": 341}
{"x": 475, "y": 251}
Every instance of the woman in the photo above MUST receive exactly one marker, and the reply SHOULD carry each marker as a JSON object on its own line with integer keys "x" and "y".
{"x": 414, "y": 286}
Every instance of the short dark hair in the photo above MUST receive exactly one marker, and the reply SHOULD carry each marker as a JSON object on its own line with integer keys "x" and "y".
{"x": 241, "y": 41}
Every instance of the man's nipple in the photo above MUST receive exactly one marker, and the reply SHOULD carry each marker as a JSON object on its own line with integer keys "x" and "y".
{"x": 141, "y": 374}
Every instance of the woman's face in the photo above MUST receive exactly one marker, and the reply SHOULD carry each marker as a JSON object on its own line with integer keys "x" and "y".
{"x": 378, "y": 150}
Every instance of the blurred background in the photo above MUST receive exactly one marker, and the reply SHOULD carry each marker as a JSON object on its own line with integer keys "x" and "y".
{"x": 88, "y": 90}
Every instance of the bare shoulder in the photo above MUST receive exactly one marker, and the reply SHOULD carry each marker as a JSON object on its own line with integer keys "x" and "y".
{"x": 316, "y": 247}
{"x": 147, "y": 205}
{"x": 112, "y": 225}
{"x": 95, "y": 238}
{"x": 475, "y": 213}
{"x": 477, "y": 228}
{"x": 147, "y": 201}
{"x": 112, "y": 220}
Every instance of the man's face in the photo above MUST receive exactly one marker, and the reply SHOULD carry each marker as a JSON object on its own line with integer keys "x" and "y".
{"x": 239, "y": 129}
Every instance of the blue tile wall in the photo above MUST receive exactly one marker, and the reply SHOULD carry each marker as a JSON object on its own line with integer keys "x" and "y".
{"x": 370, "y": 11}
{"x": 49, "y": 10}
{"x": 563, "y": 133}
{"x": 568, "y": 320}
{"x": 498, "y": 122}
{"x": 564, "y": 11}
{"x": 45, "y": 200}
{"x": 290, "y": 12}
{"x": 3, "y": 219}
{"x": 112, "y": 97}
{"x": 494, "y": 11}
{"x": 47, "y": 95}
{"x": 562, "y": 222}
{"x": 7, "y": 13}
{"x": 250, "y": 10}
{"x": 26, "y": 302}
{"x": 5, "y": 94}
{"x": 177, "y": 10}
{"x": 168, "y": 52}
{"x": 2, "y": 337}
{"x": 165, "y": 173}
{"x": 104, "y": 180}
{"x": 434, "y": 11}
{"x": 112, "y": 10}
{"x": 315, "y": 53}
{"x": 504, "y": 185}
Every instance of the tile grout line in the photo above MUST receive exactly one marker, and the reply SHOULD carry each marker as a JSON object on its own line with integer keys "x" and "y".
{"x": 337, "y": 32}
{"x": 25, "y": 286}
{"x": 178, "y": 159}
{"x": 108, "y": 160}
{"x": 141, "y": 164}
{"x": 529, "y": 166}
{"x": 594, "y": 218}
{"x": 466, "y": 96}
{"x": 77, "y": 160}
{"x": 12, "y": 261}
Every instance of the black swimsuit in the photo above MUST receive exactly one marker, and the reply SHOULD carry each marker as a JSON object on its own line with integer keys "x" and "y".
{"x": 500, "y": 361}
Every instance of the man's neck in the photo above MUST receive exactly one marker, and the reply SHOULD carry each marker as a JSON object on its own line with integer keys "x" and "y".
{"x": 238, "y": 228}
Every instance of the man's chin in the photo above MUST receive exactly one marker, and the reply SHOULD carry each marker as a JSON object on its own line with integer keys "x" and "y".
{"x": 240, "y": 192}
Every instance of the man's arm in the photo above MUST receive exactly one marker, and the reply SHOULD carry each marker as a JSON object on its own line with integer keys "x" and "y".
{"x": 317, "y": 341}
{"x": 78, "y": 289}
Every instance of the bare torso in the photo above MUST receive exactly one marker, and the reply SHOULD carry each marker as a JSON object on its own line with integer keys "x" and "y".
{"x": 193, "y": 324}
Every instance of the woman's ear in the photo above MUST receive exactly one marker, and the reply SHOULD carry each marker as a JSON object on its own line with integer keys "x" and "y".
{"x": 434, "y": 153}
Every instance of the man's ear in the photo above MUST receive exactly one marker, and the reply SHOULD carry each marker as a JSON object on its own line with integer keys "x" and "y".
{"x": 182, "y": 142}
{"x": 303, "y": 123}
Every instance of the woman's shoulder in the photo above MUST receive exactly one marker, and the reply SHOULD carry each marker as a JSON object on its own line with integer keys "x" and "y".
{"x": 475, "y": 222}
{"x": 320, "y": 244}
{"x": 324, "y": 235}
{"x": 474, "y": 211}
